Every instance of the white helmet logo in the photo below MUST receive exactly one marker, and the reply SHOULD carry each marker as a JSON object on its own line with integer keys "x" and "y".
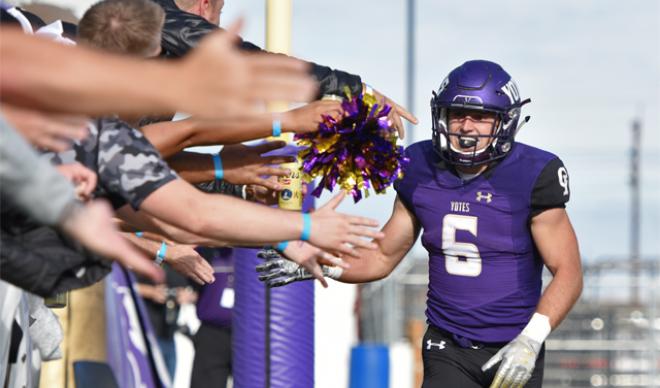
{"x": 511, "y": 91}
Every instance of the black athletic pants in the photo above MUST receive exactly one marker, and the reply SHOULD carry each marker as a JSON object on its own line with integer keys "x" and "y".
{"x": 446, "y": 364}
{"x": 212, "y": 364}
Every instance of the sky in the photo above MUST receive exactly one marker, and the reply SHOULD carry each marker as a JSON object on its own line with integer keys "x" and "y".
{"x": 590, "y": 68}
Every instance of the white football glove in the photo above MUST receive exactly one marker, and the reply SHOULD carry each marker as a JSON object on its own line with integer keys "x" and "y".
{"x": 519, "y": 356}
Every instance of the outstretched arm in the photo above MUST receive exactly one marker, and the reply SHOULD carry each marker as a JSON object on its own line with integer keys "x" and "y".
{"x": 171, "y": 137}
{"x": 216, "y": 217}
{"x": 88, "y": 82}
{"x": 242, "y": 165}
{"x": 183, "y": 258}
{"x": 134, "y": 221}
{"x": 400, "y": 233}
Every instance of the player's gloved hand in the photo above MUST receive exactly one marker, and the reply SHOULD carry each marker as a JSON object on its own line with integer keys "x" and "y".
{"x": 277, "y": 271}
{"x": 519, "y": 356}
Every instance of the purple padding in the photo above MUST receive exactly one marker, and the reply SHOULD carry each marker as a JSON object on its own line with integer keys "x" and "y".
{"x": 248, "y": 322}
{"x": 292, "y": 330}
{"x": 290, "y": 338}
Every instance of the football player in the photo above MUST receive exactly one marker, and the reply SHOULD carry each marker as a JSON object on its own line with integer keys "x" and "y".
{"x": 491, "y": 212}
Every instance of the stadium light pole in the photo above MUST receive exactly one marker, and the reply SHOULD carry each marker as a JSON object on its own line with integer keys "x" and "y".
{"x": 635, "y": 210}
{"x": 410, "y": 66}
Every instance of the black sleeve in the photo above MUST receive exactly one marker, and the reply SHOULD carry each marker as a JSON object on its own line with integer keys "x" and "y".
{"x": 551, "y": 189}
{"x": 182, "y": 31}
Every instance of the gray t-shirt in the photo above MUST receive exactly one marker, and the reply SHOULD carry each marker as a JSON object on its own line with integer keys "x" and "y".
{"x": 29, "y": 182}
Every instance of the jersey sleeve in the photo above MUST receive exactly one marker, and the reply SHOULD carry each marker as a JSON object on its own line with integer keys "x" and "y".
{"x": 402, "y": 194}
{"x": 129, "y": 166}
{"x": 404, "y": 185}
{"x": 551, "y": 189}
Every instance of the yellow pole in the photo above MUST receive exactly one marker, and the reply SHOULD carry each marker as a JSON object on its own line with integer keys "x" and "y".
{"x": 278, "y": 40}
{"x": 278, "y": 26}
{"x": 278, "y": 35}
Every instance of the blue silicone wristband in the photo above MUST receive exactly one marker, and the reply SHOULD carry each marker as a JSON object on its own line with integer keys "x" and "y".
{"x": 277, "y": 127}
{"x": 217, "y": 165}
{"x": 160, "y": 255}
{"x": 282, "y": 246}
{"x": 307, "y": 227}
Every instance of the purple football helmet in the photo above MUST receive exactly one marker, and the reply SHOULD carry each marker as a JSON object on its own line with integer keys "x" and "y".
{"x": 484, "y": 86}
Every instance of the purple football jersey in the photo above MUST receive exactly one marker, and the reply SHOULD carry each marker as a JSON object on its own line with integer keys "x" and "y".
{"x": 484, "y": 271}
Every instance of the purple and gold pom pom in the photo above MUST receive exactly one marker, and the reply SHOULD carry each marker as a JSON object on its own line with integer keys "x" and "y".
{"x": 356, "y": 152}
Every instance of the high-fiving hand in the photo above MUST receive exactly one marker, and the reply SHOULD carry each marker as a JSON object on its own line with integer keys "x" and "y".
{"x": 336, "y": 232}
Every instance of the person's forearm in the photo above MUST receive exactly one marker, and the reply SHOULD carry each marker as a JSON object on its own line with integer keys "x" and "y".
{"x": 170, "y": 137}
{"x": 193, "y": 167}
{"x": 401, "y": 231}
{"x": 148, "y": 246}
{"x": 86, "y": 82}
{"x": 233, "y": 130}
{"x": 216, "y": 216}
{"x": 140, "y": 221}
{"x": 561, "y": 294}
{"x": 174, "y": 136}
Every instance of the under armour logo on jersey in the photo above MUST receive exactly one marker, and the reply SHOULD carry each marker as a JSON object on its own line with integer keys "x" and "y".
{"x": 488, "y": 197}
{"x": 430, "y": 344}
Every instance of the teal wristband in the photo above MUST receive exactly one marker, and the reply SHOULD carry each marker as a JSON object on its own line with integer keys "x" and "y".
{"x": 277, "y": 127}
{"x": 282, "y": 246}
{"x": 160, "y": 255}
{"x": 217, "y": 165}
{"x": 307, "y": 227}
{"x": 139, "y": 234}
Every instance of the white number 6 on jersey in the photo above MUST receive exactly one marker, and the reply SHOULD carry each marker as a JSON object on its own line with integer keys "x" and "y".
{"x": 452, "y": 249}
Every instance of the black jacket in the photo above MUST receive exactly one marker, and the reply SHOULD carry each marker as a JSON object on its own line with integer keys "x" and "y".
{"x": 42, "y": 261}
{"x": 182, "y": 31}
